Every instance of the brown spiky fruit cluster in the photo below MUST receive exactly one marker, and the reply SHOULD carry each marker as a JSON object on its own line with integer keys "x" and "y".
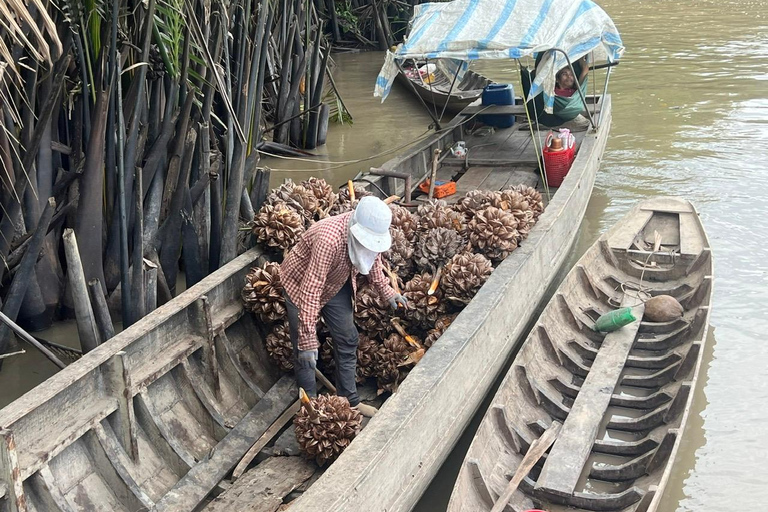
{"x": 517, "y": 204}
{"x": 400, "y": 254}
{"x": 263, "y": 293}
{"x": 464, "y": 275}
{"x": 437, "y": 214}
{"x": 327, "y": 429}
{"x": 533, "y": 198}
{"x": 392, "y": 362}
{"x": 324, "y": 193}
{"x": 301, "y": 199}
{"x": 404, "y": 220}
{"x": 343, "y": 201}
{"x": 279, "y": 346}
{"x": 435, "y": 247}
{"x": 476, "y": 200}
{"x": 423, "y": 308}
{"x": 493, "y": 232}
{"x": 277, "y": 226}
{"x": 372, "y": 312}
{"x": 441, "y": 324}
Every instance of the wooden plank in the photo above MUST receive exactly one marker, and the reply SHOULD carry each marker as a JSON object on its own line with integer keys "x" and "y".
{"x": 263, "y": 488}
{"x": 11, "y": 474}
{"x": 472, "y": 179}
{"x": 623, "y": 238}
{"x": 191, "y": 490}
{"x": 565, "y": 463}
{"x": 527, "y": 177}
{"x": 691, "y": 241}
{"x": 496, "y": 180}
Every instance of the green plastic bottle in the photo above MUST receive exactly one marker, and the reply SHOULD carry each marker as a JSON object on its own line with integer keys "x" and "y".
{"x": 614, "y": 320}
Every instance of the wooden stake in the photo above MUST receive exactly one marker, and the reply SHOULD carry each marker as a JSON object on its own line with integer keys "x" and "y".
{"x": 391, "y": 199}
{"x": 351, "y": 188}
{"x": 433, "y": 175}
{"x": 86, "y": 323}
{"x": 101, "y": 310}
{"x": 536, "y": 450}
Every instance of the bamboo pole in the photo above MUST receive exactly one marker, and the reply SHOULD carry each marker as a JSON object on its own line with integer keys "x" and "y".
{"x": 86, "y": 322}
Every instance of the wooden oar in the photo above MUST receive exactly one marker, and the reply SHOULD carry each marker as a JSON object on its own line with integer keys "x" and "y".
{"x": 537, "y": 449}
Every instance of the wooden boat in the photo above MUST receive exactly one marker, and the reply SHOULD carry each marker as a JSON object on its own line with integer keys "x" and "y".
{"x": 157, "y": 417}
{"x": 620, "y": 400}
{"x": 441, "y": 92}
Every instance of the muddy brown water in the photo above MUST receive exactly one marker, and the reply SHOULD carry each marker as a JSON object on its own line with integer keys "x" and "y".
{"x": 690, "y": 118}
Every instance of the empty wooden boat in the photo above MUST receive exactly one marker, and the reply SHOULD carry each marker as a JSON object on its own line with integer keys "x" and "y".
{"x": 442, "y": 92}
{"x": 620, "y": 400}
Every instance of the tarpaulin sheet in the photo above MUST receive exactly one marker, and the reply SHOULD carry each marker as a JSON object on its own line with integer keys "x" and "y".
{"x": 467, "y": 30}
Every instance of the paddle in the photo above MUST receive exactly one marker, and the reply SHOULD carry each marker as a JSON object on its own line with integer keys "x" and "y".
{"x": 537, "y": 449}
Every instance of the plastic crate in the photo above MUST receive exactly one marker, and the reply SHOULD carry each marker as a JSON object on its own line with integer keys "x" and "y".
{"x": 442, "y": 188}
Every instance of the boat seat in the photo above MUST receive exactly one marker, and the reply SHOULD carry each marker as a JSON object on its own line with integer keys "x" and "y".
{"x": 569, "y": 454}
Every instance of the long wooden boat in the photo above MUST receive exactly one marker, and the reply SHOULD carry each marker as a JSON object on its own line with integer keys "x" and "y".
{"x": 442, "y": 92}
{"x": 157, "y": 417}
{"x": 622, "y": 398}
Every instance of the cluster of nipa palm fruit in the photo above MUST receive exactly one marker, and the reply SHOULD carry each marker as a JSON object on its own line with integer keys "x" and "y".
{"x": 289, "y": 210}
{"x": 325, "y": 426}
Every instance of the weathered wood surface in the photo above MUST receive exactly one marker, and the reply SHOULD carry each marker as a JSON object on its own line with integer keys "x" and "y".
{"x": 191, "y": 490}
{"x": 263, "y": 488}
{"x": 392, "y": 461}
{"x": 568, "y": 456}
{"x": 565, "y": 372}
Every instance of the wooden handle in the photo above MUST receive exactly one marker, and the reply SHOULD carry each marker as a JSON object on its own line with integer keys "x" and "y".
{"x": 536, "y": 450}
{"x": 391, "y": 199}
{"x": 351, "y": 188}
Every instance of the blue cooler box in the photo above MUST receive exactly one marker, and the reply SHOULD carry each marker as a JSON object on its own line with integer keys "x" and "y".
{"x": 498, "y": 94}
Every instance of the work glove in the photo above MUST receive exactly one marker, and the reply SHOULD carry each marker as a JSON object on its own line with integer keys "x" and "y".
{"x": 398, "y": 300}
{"x": 307, "y": 358}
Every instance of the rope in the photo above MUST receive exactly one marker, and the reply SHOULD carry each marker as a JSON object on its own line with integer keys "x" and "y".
{"x": 342, "y": 163}
{"x": 539, "y": 155}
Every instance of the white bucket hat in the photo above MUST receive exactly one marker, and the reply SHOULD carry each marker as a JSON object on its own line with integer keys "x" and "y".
{"x": 370, "y": 224}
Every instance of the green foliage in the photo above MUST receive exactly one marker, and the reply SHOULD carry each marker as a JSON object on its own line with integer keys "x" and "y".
{"x": 347, "y": 19}
{"x": 169, "y": 33}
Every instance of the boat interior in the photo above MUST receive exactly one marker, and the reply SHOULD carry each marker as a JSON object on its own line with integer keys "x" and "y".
{"x": 619, "y": 399}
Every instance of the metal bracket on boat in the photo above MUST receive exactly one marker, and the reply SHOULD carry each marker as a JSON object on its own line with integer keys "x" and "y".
{"x": 378, "y": 171}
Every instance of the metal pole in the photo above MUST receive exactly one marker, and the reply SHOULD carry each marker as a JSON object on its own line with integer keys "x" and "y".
{"x": 602, "y": 98}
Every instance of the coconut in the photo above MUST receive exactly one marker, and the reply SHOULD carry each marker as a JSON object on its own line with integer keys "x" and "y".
{"x": 662, "y": 308}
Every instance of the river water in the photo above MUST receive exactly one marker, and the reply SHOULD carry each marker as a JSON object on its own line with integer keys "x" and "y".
{"x": 690, "y": 118}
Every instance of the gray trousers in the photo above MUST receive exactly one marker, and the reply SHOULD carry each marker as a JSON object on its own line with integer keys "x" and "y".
{"x": 340, "y": 319}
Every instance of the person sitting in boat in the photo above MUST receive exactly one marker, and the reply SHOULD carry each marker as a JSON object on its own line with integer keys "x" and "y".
{"x": 568, "y": 104}
{"x": 319, "y": 275}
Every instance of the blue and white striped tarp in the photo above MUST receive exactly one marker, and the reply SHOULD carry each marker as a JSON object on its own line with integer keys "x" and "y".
{"x": 466, "y": 30}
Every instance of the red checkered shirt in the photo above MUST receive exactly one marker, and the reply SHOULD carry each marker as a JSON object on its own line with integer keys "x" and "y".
{"x": 316, "y": 269}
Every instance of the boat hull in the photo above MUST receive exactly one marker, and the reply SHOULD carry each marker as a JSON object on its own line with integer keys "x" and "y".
{"x": 614, "y": 451}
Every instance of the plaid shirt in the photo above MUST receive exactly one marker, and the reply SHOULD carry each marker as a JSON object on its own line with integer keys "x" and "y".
{"x": 316, "y": 269}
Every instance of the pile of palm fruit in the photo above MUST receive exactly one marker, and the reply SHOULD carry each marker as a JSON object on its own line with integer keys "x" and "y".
{"x": 441, "y": 255}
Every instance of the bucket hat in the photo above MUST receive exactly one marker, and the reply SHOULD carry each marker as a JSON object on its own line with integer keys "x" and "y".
{"x": 370, "y": 224}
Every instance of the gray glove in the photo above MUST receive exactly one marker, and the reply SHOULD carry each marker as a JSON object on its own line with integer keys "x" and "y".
{"x": 398, "y": 300}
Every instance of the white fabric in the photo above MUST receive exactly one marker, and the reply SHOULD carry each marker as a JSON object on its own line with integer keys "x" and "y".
{"x": 360, "y": 257}
{"x": 466, "y": 30}
{"x": 370, "y": 224}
